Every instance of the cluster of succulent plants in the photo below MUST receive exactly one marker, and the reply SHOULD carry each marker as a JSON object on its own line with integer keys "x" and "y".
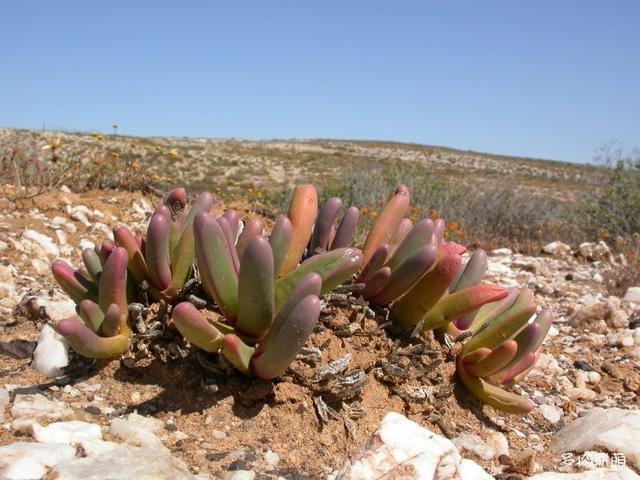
{"x": 117, "y": 273}
{"x": 423, "y": 280}
{"x": 507, "y": 336}
{"x": 267, "y": 289}
{"x": 267, "y": 318}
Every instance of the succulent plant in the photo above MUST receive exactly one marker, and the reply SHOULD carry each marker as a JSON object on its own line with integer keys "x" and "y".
{"x": 163, "y": 259}
{"x": 312, "y": 231}
{"x": 266, "y": 319}
{"x": 115, "y": 274}
{"x": 505, "y": 345}
{"x": 413, "y": 269}
{"x": 102, "y": 294}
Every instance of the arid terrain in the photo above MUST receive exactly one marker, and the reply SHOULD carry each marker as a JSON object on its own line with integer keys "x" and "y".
{"x": 307, "y": 423}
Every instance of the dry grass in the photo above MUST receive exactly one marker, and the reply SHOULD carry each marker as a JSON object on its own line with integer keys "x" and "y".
{"x": 487, "y": 199}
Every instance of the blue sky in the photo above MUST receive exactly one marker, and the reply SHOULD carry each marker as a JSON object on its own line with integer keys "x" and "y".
{"x": 549, "y": 79}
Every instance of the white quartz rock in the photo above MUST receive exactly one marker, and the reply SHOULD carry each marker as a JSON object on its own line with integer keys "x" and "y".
{"x": 474, "y": 444}
{"x": 138, "y": 430}
{"x": 46, "y": 243}
{"x": 57, "y": 308}
{"x": 614, "y": 429}
{"x": 22, "y": 460}
{"x": 38, "y": 406}
{"x": 402, "y": 447}
{"x": 124, "y": 462}
{"x": 70, "y": 433}
{"x": 51, "y": 354}
{"x": 632, "y": 295}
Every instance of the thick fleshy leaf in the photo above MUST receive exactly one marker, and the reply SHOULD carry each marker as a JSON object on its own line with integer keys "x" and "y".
{"x": 496, "y": 361}
{"x": 376, "y": 282}
{"x": 157, "y": 248}
{"x": 347, "y": 229}
{"x": 285, "y": 338}
{"x": 529, "y": 340}
{"x": 404, "y": 227}
{"x": 252, "y": 229}
{"x": 237, "y": 352}
{"x": 279, "y": 240}
{"x": 455, "y": 305}
{"x": 105, "y": 250}
{"x": 334, "y": 267}
{"x": 303, "y": 211}
{"x": 137, "y": 264}
{"x": 112, "y": 321}
{"x": 231, "y": 240}
{"x": 496, "y": 397}
{"x": 376, "y": 263}
{"x": 438, "y": 229}
{"x": 92, "y": 263}
{"x": 517, "y": 372}
{"x": 477, "y": 355}
{"x": 72, "y": 282}
{"x": 195, "y": 328}
{"x": 234, "y": 223}
{"x": 88, "y": 344}
{"x": 113, "y": 286}
{"x": 175, "y": 199}
{"x": 419, "y": 236}
{"x": 256, "y": 289}
{"x": 412, "y": 307}
{"x": 324, "y": 223}
{"x": 506, "y": 325}
{"x": 184, "y": 252}
{"x": 217, "y": 260}
{"x": 473, "y": 272}
{"x": 91, "y": 314}
{"x": 387, "y": 222}
{"x": 494, "y": 310}
{"x": 451, "y": 247}
{"x": 406, "y": 275}
{"x": 311, "y": 284}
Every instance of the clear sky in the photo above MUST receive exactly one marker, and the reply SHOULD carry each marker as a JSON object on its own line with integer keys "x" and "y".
{"x": 552, "y": 79}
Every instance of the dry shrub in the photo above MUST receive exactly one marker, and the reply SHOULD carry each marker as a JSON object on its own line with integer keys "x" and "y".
{"x": 39, "y": 167}
{"x": 622, "y": 276}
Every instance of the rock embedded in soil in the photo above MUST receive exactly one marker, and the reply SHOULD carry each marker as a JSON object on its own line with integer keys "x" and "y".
{"x": 33, "y": 406}
{"x": 51, "y": 354}
{"x": 557, "y": 249}
{"x": 632, "y": 295}
{"x": 551, "y": 413}
{"x": 614, "y": 429}
{"x": 400, "y": 448}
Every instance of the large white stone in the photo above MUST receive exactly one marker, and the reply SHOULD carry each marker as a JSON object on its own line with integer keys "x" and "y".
{"x": 400, "y": 448}
{"x": 138, "y": 430}
{"x": 57, "y": 308}
{"x": 70, "y": 433}
{"x": 474, "y": 444}
{"x": 613, "y": 473}
{"x": 552, "y": 413}
{"x": 556, "y": 248}
{"x": 29, "y": 459}
{"x": 632, "y": 295}
{"x": 37, "y": 406}
{"x": 51, "y": 354}
{"x": 594, "y": 251}
{"x": 125, "y": 462}
{"x": 46, "y": 243}
{"x": 614, "y": 429}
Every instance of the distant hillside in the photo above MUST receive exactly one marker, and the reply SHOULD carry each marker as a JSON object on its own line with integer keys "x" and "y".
{"x": 273, "y": 164}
